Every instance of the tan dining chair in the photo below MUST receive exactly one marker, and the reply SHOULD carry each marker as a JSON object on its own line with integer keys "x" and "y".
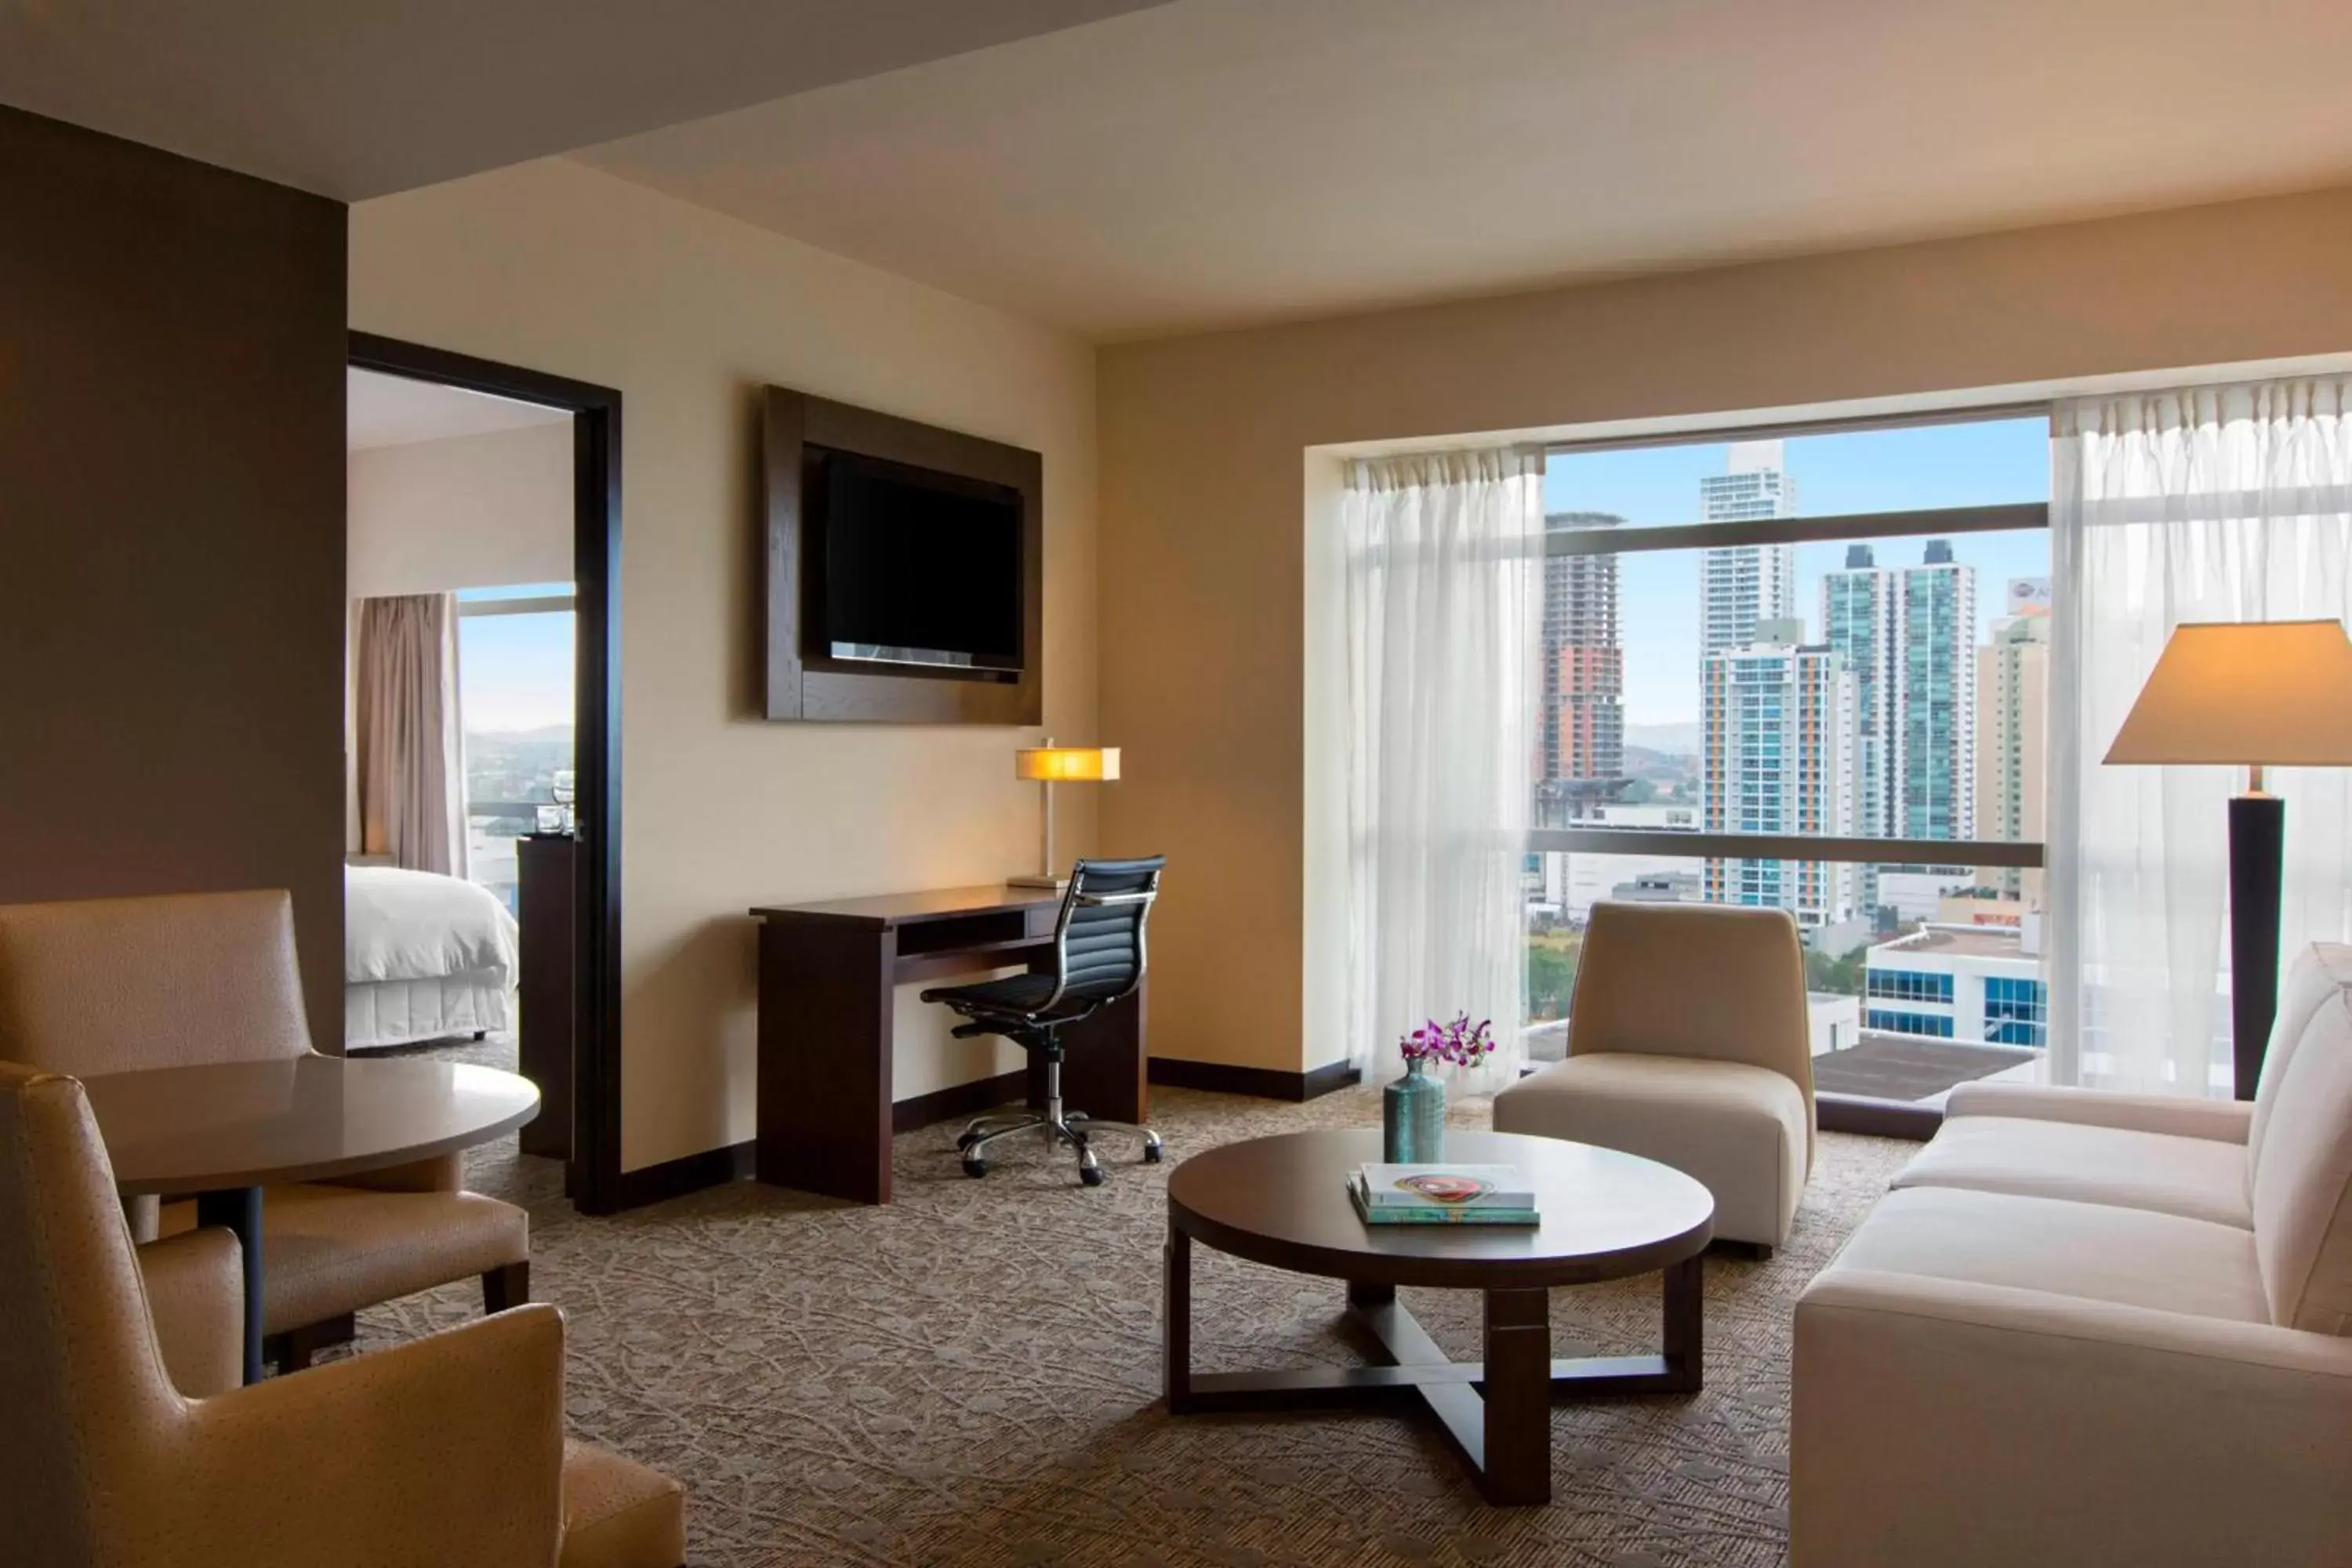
{"x": 104, "y": 985}
{"x": 130, "y": 1447}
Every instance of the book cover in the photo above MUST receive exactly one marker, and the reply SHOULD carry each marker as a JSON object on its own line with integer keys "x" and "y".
{"x": 1445, "y": 1186}
{"x": 1436, "y": 1214}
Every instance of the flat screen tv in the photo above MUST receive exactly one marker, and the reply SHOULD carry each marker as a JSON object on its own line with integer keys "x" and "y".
{"x": 916, "y": 567}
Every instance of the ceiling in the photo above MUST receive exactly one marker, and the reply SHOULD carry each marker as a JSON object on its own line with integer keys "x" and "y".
{"x": 393, "y": 411}
{"x": 359, "y": 98}
{"x": 1213, "y": 163}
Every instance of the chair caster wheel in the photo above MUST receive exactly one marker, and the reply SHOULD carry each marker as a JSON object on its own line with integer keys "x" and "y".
{"x": 1152, "y": 1153}
{"x": 1092, "y": 1176}
{"x": 973, "y": 1167}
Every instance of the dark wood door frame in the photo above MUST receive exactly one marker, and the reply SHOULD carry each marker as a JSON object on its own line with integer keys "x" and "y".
{"x": 595, "y": 1174}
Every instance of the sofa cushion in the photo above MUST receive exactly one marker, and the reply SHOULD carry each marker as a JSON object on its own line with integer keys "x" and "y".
{"x": 1741, "y": 1130}
{"x": 2196, "y": 1178}
{"x": 2302, "y": 1220}
{"x": 2128, "y": 1257}
{"x": 2320, "y": 972}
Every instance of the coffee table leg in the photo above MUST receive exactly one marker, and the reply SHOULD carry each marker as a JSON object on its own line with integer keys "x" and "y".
{"x": 1686, "y": 1324}
{"x": 1176, "y": 1321}
{"x": 239, "y": 1210}
{"x": 1518, "y": 1388}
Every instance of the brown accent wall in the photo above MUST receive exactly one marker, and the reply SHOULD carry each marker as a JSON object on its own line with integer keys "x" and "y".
{"x": 171, "y": 534}
{"x": 1205, "y": 482}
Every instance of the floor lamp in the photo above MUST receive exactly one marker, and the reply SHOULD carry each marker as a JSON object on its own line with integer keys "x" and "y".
{"x": 2257, "y": 694}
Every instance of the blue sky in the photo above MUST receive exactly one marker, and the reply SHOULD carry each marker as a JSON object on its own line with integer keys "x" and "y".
{"x": 516, "y": 671}
{"x": 1978, "y": 464}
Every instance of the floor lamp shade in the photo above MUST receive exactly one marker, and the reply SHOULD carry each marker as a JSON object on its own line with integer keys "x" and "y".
{"x": 1050, "y": 764}
{"x": 2261, "y": 694}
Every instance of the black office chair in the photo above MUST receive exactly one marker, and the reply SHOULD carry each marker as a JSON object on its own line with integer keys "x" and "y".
{"x": 1098, "y": 958}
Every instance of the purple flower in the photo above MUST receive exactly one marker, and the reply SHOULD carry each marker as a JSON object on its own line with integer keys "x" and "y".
{"x": 1458, "y": 1043}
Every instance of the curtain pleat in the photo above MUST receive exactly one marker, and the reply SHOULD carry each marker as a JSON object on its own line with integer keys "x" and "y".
{"x": 2220, "y": 503}
{"x": 1444, "y": 606}
{"x": 410, "y": 759}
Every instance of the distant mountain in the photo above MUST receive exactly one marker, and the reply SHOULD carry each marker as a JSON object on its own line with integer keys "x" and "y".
{"x": 545, "y": 733}
{"x": 1674, "y": 739}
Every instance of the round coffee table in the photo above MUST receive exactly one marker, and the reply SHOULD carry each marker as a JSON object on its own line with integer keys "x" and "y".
{"x": 222, "y": 1132}
{"x": 1283, "y": 1202}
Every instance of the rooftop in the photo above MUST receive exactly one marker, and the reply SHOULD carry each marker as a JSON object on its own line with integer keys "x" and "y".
{"x": 1959, "y": 942}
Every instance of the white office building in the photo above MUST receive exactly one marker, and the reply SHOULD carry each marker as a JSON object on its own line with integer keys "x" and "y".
{"x": 1742, "y": 587}
{"x": 1778, "y": 717}
{"x": 1965, "y": 983}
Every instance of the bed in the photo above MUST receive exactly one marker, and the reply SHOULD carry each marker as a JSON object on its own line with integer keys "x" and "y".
{"x": 425, "y": 957}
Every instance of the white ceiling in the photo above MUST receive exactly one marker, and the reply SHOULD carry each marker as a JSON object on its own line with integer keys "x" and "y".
{"x": 1218, "y": 161}
{"x": 359, "y": 98}
{"x": 393, "y": 411}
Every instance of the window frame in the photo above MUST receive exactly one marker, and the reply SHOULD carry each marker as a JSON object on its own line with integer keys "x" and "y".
{"x": 1848, "y": 1112}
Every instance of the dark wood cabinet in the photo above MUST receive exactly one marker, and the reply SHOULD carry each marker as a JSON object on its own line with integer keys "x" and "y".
{"x": 545, "y": 873}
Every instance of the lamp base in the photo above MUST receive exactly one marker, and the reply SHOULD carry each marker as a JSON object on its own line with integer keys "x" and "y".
{"x": 2257, "y": 850}
{"x": 1056, "y": 883}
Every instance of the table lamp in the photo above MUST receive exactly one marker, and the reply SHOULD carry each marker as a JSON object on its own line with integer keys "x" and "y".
{"x": 2261, "y": 694}
{"x": 1051, "y": 764}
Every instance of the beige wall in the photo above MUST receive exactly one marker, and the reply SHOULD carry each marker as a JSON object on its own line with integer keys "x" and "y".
{"x": 467, "y": 512}
{"x": 559, "y": 268}
{"x": 1203, "y": 596}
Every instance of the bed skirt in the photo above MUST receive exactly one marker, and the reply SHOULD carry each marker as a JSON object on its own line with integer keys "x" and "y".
{"x": 442, "y": 1008}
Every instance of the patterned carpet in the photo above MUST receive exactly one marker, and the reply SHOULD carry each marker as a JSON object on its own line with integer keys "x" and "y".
{"x": 969, "y": 1376}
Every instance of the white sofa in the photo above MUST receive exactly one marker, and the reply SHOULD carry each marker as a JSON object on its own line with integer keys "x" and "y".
{"x": 2088, "y": 1328}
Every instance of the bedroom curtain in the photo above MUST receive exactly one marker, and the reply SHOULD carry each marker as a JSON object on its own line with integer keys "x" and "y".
{"x": 2220, "y": 503}
{"x": 1443, "y": 604}
{"x": 409, "y": 757}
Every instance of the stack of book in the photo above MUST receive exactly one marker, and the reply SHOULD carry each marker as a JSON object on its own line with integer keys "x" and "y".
{"x": 1441, "y": 1194}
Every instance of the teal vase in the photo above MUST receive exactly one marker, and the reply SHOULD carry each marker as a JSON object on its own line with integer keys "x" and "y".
{"x": 1412, "y": 1118}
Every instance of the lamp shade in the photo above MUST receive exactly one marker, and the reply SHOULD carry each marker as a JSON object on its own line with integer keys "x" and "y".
{"x": 2264, "y": 693}
{"x": 1066, "y": 764}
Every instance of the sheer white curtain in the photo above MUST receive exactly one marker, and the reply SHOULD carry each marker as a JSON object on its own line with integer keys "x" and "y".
{"x": 1445, "y": 584}
{"x": 2223, "y": 503}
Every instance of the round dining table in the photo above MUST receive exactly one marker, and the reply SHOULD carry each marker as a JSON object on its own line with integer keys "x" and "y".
{"x": 221, "y": 1132}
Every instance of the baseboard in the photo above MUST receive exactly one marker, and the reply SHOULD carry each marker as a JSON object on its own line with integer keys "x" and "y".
{"x": 958, "y": 1099}
{"x": 676, "y": 1178}
{"x": 716, "y": 1167}
{"x": 1265, "y": 1083}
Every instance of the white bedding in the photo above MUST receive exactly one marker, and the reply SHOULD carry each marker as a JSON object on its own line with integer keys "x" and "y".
{"x": 414, "y": 925}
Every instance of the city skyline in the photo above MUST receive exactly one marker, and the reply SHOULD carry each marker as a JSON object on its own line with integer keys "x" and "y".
{"x": 1662, "y": 594}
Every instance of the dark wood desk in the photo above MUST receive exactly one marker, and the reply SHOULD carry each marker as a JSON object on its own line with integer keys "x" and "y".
{"x": 827, "y": 1002}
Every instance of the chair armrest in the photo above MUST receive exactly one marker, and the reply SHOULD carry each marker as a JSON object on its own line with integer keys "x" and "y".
{"x": 447, "y": 1452}
{"x": 2222, "y": 1120}
{"x": 1936, "y": 1420}
{"x": 195, "y": 1295}
{"x": 441, "y": 1173}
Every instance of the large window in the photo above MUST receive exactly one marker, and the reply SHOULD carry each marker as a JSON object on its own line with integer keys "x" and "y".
{"x": 1807, "y": 671}
{"x": 517, "y": 658}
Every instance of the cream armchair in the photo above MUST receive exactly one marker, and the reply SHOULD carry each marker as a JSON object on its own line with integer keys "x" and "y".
{"x": 448, "y": 1452}
{"x": 116, "y": 985}
{"x": 1688, "y": 1043}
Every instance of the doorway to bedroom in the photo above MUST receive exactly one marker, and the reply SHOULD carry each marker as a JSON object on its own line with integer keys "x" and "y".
{"x": 481, "y": 739}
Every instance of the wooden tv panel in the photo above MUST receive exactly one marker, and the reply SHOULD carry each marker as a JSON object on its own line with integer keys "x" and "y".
{"x": 804, "y": 682}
